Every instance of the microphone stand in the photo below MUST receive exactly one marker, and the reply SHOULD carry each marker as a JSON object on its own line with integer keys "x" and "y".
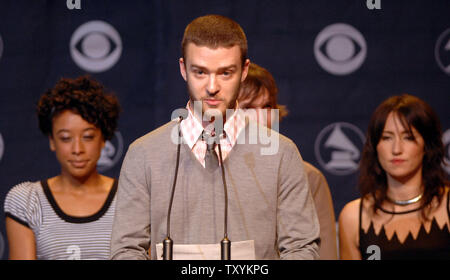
{"x": 225, "y": 244}
{"x": 168, "y": 243}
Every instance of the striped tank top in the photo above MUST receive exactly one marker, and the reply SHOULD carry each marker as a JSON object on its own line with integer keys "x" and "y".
{"x": 60, "y": 236}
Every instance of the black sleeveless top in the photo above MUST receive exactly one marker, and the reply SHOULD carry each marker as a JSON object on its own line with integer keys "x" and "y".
{"x": 432, "y": 245}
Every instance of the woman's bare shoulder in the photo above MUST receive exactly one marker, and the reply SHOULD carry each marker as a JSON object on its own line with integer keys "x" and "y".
{"x": 351, "y": 210}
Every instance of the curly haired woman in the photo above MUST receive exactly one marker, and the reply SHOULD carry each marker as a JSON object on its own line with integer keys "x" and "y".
{"x": 68, "y": 216}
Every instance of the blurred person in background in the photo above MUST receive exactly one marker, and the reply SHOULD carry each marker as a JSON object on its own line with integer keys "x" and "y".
{"x": 259, "y": 92}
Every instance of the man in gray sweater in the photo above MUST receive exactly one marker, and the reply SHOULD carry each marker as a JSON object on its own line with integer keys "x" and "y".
{"x": 269, "y": 200}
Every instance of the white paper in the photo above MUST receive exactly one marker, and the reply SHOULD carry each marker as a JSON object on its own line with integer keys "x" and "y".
{"x": 240, "y": 250}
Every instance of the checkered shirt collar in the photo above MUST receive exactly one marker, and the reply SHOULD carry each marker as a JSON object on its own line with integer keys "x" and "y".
{"x": 191, "y": 127}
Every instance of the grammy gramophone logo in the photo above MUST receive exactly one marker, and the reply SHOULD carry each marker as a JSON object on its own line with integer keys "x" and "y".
{"x": 338, "y": 148}
{"x": 111, "y": 153}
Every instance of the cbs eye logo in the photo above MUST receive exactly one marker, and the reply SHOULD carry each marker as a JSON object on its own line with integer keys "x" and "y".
{"x": 442, "y": 51}
{"x": 95, "y": 46}
{"x": 340, "y": 49}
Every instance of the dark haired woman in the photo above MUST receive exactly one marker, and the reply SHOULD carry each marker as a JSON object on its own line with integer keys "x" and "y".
{"x": 70, "y": 215}
{"x": 404, "y": 208}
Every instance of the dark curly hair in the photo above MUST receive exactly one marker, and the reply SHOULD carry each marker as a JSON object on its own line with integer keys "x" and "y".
{"x": 84, "y": 96}
{"x": 412, "y": 112}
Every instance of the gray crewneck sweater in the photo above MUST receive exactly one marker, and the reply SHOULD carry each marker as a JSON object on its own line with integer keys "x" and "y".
{"x": 269, "y": 199}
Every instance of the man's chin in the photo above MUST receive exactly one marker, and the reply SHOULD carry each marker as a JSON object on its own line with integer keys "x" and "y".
{"x": 211, "y": 112}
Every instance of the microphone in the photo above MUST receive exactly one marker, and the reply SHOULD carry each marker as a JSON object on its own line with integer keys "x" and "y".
{"x": 168, "y": 243}
{"x": 225, "y": 244}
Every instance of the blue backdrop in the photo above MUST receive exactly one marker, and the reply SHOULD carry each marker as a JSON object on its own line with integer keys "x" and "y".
{"x": 334, "y": 62}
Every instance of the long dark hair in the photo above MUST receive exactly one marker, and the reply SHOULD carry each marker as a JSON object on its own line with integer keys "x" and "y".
{"x": 412, "y": 112}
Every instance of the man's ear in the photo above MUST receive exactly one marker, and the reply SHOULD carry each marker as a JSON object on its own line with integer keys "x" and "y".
{"x": 51, "y": 143}
{"x": 182, "y": 68}
{"x": 245, "y": 69}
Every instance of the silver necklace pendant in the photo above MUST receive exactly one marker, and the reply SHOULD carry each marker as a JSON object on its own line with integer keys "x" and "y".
{"x": 406, "y": 202}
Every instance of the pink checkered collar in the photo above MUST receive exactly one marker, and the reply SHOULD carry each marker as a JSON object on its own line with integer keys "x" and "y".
{"x": 191, "y": 127}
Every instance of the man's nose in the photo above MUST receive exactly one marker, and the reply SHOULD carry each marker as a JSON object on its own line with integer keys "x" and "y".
{"x": 213, "y": 85}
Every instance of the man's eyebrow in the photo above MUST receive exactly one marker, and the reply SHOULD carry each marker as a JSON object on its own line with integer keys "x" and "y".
{"x": 196, "y": 66}
{"x": 232, "y": 66}
{"x": 228, "y": 67}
